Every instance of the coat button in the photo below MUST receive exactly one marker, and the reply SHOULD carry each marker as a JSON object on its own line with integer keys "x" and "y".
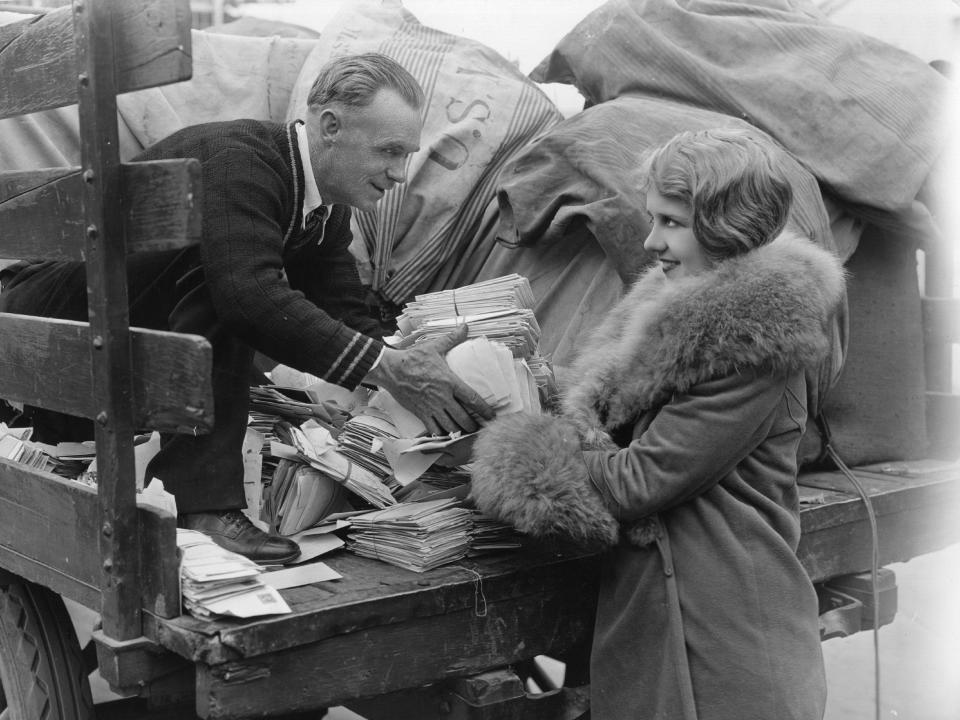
{"x": 668, "y": 571}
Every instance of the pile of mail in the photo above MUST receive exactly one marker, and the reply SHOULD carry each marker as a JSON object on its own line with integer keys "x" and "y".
{"x": 15, "y": 446}
{"x": 417, "y": 536}
{"x": 500, "y": 309}
{"x": 489, "y": 535}
{"x": 216, "y": 582}
{"x": 317, "y": 436}
{"x": 301, "y": 496}
{"x": 300, "y": 492}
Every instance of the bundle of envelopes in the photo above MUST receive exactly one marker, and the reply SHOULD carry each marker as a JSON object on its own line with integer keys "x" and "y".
{"x": 300, "y": 496}
{"x": 417, "y": 536}
{"x": 500, "y": 309}
{"x": 313, "y": 445}
{"x": 506, "y": 383}
{"x": 361, "y": 440}
{"x": 216, "y": 582}
{"x": 15, "y": 446}
{"x": 490, "y": 535}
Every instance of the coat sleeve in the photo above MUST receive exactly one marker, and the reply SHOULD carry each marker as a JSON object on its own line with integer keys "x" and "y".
{"x": 692, "y": 443}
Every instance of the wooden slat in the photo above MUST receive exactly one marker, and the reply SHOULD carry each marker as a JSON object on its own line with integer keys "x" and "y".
{"x": 41, "y": 212}
{"x": 38, "y": 65}
{"x": 915, "y": 515}
{"x": 94, "y": 39}
{"x": 388, "y": 658}
{"x": 50, "y": 532}
{"x": 373, "y": 593}
{"x": 941, "y": 320}
{"x": 45, "y": 362}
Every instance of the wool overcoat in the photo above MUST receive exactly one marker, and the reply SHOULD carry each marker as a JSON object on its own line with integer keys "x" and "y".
{"x": 676, "y": 451}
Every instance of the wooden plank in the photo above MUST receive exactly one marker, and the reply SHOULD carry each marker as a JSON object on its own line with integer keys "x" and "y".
{"x": 389, "y": 658}
{"x": 41, "y": 212}
{"x": 130, "y": 664}
{"x": 45, "y": 362}
{"x": 914, "y": 516}
{"x": 50, "y": 534}
{"x": 109, "y": 322}
{"x": 38, "y": 65}
{"x": 373, "y": 593}
{"x": 159, "y": 563}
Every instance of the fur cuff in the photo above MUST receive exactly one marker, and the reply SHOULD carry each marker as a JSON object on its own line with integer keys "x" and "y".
{"x": 528, "y": 470}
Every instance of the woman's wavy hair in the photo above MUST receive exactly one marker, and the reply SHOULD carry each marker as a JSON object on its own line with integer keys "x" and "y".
{"x": 734, "y": 182}
{"x": 354, "y": 80}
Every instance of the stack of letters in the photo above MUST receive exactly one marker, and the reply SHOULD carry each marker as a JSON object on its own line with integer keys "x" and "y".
{"x": 417, "y": 536}
{"x": 301, "y": 496}
{"x": 15, "y": 445}
{"x": 216, "y": 582}
{"x": 500, "y": 309}
{"x": 489, "y": 535}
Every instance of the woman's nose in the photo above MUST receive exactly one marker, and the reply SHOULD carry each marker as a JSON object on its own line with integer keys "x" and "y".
{"x": 652, "y": 242}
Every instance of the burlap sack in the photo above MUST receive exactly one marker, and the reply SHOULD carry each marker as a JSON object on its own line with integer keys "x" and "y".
{"x": 480, "y": 111}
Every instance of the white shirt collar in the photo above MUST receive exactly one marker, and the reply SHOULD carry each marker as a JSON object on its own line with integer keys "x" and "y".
{"x": 311, "y": 193}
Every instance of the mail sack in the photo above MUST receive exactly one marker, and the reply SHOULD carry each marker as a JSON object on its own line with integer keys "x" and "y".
{"x": 480, "y": 109}
{"x": 586, "y": 171}
{"x": 867, "y": 118}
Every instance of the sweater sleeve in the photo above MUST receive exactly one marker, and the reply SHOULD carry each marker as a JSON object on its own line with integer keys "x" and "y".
{"x": 691, "y": 444}
{"x": 244, "y": 219}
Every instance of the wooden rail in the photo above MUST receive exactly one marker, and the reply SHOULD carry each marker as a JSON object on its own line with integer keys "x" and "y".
{"x": 97, "y": 546}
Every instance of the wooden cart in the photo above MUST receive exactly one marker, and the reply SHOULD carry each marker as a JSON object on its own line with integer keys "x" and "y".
{"x": 448, "y": 643}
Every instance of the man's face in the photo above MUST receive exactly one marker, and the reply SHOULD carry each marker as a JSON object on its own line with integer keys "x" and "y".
{"x": 360, "y": 153}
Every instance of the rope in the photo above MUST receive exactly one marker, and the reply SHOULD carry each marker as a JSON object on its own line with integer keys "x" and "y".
{"x": 874, "y": 553}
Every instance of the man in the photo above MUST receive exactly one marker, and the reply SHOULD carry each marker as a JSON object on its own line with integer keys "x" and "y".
{"x": 272, "y": 273}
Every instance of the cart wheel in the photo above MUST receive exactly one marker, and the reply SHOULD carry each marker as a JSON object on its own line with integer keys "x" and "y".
{"x": 41, "y": 667}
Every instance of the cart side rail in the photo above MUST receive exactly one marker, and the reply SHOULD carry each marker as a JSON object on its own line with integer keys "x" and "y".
{"x": 96, "y": 546}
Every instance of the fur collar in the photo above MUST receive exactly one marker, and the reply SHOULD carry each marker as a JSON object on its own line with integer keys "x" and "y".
{"x": 768, "y": 310}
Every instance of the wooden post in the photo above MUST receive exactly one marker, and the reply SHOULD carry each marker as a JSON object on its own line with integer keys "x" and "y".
{"x": 109, "y": 322}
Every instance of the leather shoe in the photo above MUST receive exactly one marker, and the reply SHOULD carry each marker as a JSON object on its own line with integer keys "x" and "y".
{"x": 232, "y": 530}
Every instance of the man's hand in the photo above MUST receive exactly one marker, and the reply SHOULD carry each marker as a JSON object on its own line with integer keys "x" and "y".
{"x": 420, "y": 380}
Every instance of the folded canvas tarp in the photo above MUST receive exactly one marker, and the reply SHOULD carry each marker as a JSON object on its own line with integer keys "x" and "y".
{"x": 867, "y": 119}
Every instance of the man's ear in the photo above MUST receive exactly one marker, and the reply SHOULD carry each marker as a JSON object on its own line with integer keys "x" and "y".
{"x": 330, "y": 125}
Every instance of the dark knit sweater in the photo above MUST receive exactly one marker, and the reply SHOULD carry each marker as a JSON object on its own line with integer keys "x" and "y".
{"x": 292, "y": 299}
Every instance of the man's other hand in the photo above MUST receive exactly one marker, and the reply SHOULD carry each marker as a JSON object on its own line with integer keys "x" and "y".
{"x": 420, "y": 380}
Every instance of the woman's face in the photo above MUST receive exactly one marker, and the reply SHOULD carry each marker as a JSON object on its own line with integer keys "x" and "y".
{"x": 671, "y": 237}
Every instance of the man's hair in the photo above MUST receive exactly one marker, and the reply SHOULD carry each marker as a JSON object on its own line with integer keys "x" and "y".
{"x": 354, "y": 80}
{"x": 734, "y": 182}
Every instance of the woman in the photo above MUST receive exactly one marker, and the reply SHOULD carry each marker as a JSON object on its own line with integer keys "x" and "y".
{"x": 676, "y": 450}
